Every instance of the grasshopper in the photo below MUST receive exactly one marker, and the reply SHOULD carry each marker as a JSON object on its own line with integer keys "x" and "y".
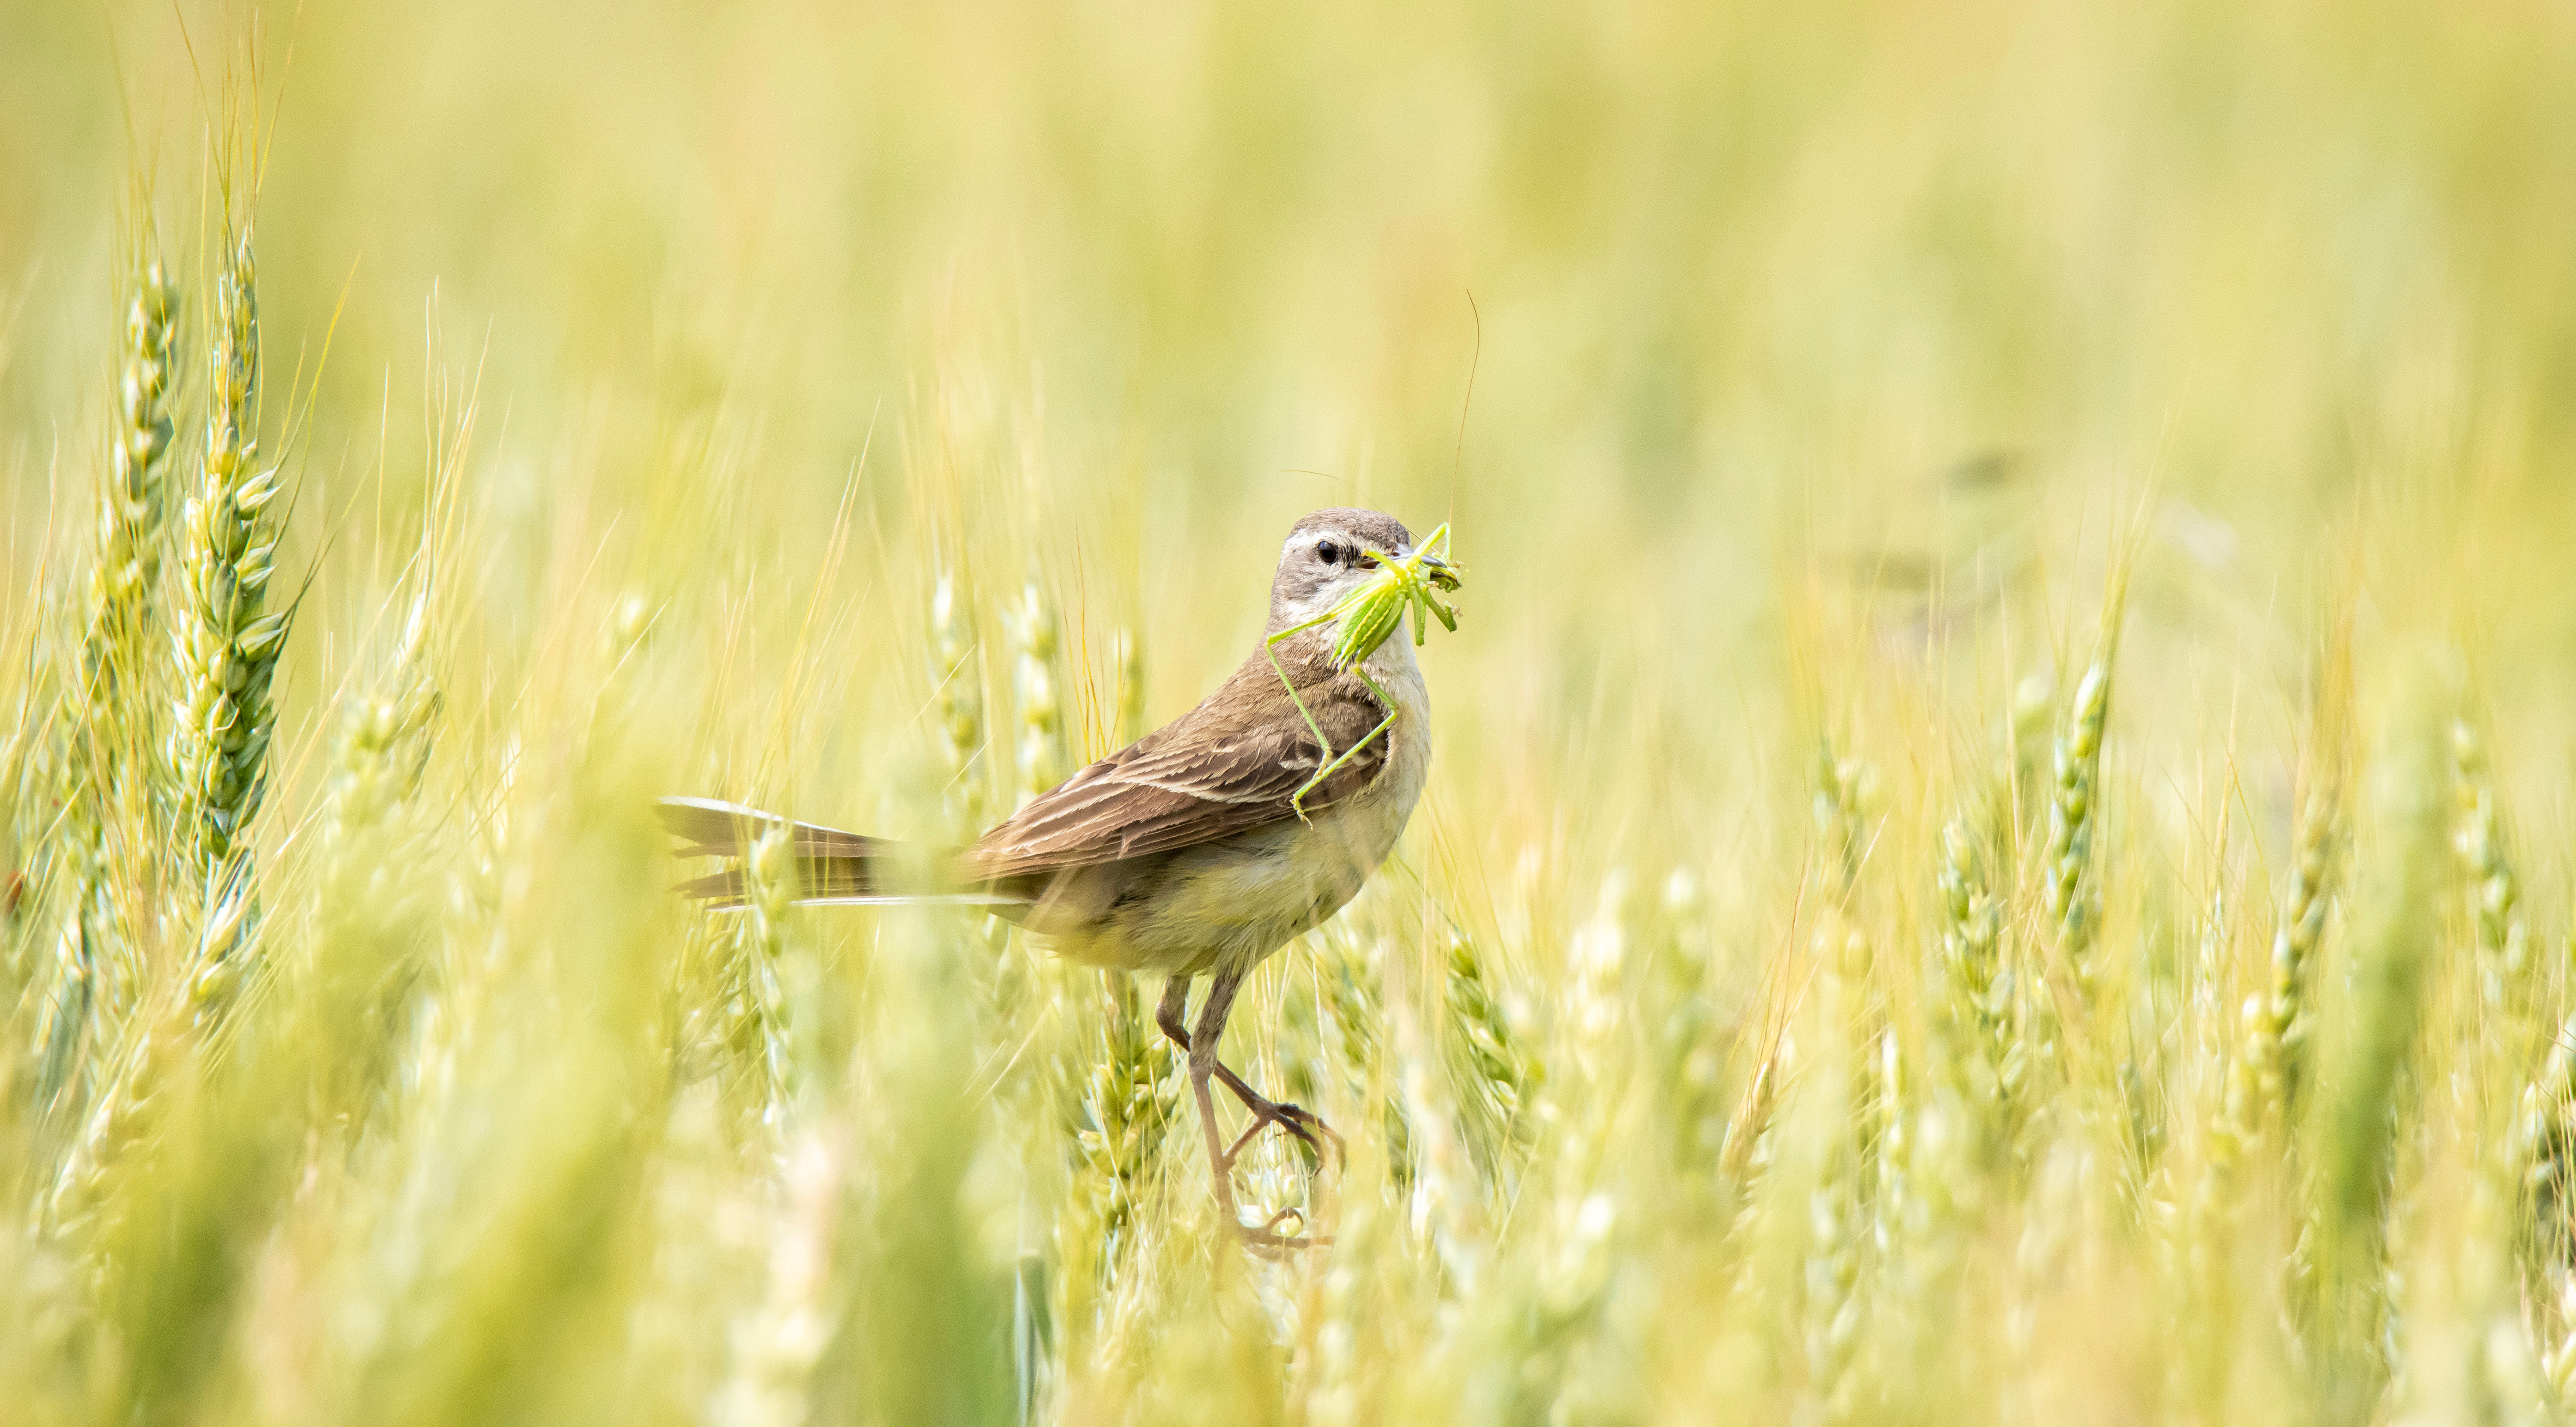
{"x": 1368, "y": 615}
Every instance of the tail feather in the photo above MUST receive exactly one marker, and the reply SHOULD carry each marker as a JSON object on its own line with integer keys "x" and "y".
{"x": 817, "y": 879}
{"x": 833, "y": 867}
{"x": 723, "y": 891}
{"x": 714, "y": 828}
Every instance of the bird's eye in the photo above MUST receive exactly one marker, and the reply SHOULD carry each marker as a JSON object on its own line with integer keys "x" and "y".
{"x": 1329, "y": 553}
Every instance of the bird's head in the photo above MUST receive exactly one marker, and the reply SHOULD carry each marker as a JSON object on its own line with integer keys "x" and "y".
{"x": 1330, "y": 554}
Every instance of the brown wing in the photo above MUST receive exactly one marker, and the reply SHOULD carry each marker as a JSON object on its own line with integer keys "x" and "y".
{"x": 1226, "y": 766}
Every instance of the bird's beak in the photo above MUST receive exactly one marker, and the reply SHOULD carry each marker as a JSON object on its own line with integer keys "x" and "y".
{"x": 1442, "y": 573}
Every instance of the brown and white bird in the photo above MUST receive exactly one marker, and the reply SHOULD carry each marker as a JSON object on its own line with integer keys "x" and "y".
{"x": 1183, "y": 854}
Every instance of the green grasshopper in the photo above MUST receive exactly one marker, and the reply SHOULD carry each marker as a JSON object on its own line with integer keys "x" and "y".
{"x": 1368, "y": 615}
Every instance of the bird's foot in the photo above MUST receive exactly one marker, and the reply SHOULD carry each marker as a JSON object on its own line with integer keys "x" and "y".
{"x": 1265, "y": 1240}
{"x": 1306, "y": 1125}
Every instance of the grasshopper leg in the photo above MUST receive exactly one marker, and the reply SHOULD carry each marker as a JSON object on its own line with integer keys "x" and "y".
{"x": 1297, "y": 799}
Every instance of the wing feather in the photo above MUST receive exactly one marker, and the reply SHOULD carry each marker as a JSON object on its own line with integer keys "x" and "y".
{"x": 1225, "y": 767}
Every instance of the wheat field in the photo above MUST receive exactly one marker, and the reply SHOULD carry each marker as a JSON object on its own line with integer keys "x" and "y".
{"x": 2000, "y": 842}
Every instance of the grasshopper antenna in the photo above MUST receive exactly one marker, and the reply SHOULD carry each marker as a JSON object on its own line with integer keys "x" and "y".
{"x": 1458, "y": 452}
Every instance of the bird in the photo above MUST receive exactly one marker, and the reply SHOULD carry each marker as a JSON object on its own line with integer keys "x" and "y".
{"x": 1195, "y": 852}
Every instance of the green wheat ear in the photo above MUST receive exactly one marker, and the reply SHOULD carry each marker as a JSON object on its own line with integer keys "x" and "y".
{"x": 104, "y": 707}
{"x": 128, "y": 564}
{"x": 225, "y": 639}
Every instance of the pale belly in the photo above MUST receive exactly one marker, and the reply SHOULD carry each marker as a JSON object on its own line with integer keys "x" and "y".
{"x": 1231, "y": 903}
{"x": 1236, "y": 902}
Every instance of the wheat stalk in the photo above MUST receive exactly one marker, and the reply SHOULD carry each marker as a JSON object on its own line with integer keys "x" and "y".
{"x": 2359, "y": 1130}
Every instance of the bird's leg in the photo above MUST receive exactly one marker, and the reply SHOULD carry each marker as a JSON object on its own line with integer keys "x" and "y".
{"x": 1295, "y": 1119}
{"x": 1205, "y": 1066}
{"x": 1173, "y": 1012}
{"x": 1201, "y": 1066}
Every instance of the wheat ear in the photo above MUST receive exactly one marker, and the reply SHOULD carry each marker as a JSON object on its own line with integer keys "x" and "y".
{"x": 2495, "y": 893}
{"x": 1126, "y": 1107}
{"x": 2074, "y": 808}
{"x": 1127, "y": 652}
{"x": 97, "y": 976}
{"x": 126, "y": 570}
{"x": 1042, "y": 740}
{"x": 1501, "y": 1074}
{"x": 957, "y": 683}
{"x": 226, "y": 641}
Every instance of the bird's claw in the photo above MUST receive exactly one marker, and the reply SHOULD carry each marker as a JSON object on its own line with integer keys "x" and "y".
{"x": 1305, "y": 1124}
{"x": 1265, "y": 1239}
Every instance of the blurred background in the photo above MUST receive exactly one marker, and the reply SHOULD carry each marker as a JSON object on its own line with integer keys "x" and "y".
{"x": 1871, "y": 281}
{"x": 1796, "y": 380}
